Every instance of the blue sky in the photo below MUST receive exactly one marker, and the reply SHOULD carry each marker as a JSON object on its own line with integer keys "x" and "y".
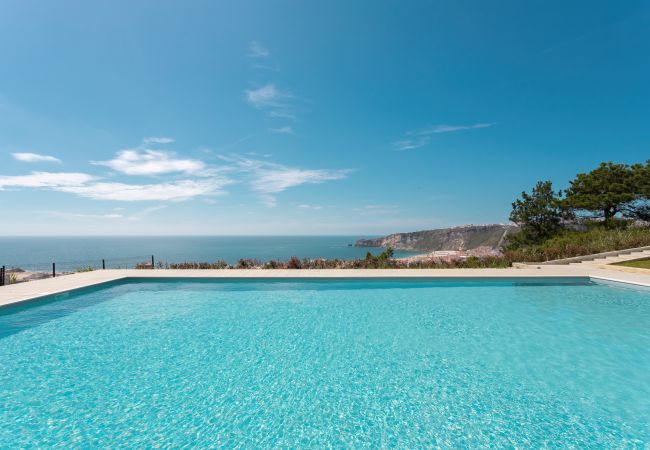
{"x": 294, "y": 117}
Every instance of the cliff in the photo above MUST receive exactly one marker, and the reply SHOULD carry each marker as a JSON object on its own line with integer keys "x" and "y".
{"x": 458, "y": 238}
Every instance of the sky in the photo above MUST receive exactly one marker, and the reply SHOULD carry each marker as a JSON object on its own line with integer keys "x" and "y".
{"x": 304, "y": 117}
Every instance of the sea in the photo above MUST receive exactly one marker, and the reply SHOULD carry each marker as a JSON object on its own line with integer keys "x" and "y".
{"x": 74, "y": 253}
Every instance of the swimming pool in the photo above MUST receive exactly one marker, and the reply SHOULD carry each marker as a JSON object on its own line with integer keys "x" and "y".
{"x": 341, "y": 363}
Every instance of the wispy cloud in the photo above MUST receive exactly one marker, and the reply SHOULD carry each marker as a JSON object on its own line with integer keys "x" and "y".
{"x": 171, "y": 191}
{"x": 34, "y": 157}
{"x": 282, "y": 130}
{"x": 410, "y": 144}
{"x": 157, "y": 140}
{"x": 151, "y": 162}
{"x": 265, "y": 96}
{"x": 257, "y": 50}
{"x": 85, "y": 185}
{"x": 76, "y": 216}
{"x": 145, "y": 161}
{"x": 310, "y": 207}
{"x": 145, "y": 212}
{"x": 199, "y": 179}
{"x": 274, "y": 178}
{"x": 451, "y": 128}
{"x": 45, "y": 180}
{"x": 268, "y": 98}
{"x": 261, "y": 57}
{"x": 268, "y": 178}
{"x": 139, "y": 215}
{"x": 417, "y": 139}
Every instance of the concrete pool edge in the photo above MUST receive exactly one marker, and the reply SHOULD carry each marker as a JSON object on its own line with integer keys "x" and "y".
{"x": 34, "y": 290}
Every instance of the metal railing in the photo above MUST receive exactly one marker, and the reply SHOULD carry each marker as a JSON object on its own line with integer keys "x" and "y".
{"x": 8, "y": 272}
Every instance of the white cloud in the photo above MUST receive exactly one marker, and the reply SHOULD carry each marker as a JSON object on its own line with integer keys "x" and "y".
{"x": 265, "y": 96}
{"x": 282, "y": 130}
{"x": 257, "y": 50}
{"x": 75, "y": 216}
{"x": 268, "y": 178}
{"x": 451, "y": 128}
{"x": 262, "y": 176}
{"x": 34, "y": 157}
{"x": 115, "y": 216}
{"x": 409, "y": 144}
{"x": 172, "y": 191}
{"x": 151, "y": 162}
{"x": 145, "y": 212}
{"x": 45, "y": 180}
{"x": 274, "y": 178}
{"x": 84, "y": 185}
{"x": 157, "y": 140}
{"x": 422, "y": 138}
{"x": 270, "y": 99}
{"x": 313, "y": 207}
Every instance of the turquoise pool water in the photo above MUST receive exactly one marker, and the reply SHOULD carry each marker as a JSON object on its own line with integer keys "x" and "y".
{"x": 406, "y": 364}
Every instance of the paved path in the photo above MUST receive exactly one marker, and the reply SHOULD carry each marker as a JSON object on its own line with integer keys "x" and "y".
{"x": 615, "y": 259}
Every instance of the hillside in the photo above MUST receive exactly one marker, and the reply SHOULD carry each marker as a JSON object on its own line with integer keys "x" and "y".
{"x": 458, "y": 238}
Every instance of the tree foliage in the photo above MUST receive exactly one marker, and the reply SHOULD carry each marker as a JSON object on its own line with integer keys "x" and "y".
{"x": 538, "y": 214}
{"x": 610, "y": 190}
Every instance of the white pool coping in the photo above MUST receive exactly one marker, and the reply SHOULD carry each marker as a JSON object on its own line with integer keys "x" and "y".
{"x": 20, "y": 292}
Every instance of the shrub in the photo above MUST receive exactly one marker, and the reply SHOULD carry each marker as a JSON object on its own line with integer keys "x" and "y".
{"x": 294, "y": 263}
{"x": 247, "y": 263}
{"x": 382, "y": 261}
{"x": 570, "y": 243}
{"x": 221, "y": 264}
{"x": 274, "y": 264}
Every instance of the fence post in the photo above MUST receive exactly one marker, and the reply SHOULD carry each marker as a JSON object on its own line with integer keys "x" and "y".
{"x": 53, "y": 270}
{"x": 103, "y": 264}
{"x": 152, "y": 266}
{"x": 2, "y": 276}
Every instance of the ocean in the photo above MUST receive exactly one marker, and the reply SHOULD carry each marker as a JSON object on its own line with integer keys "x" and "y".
{"x": 72, "y": 253}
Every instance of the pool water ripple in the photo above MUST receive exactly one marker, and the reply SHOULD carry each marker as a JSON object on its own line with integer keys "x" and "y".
{"x": 329, "y": 364}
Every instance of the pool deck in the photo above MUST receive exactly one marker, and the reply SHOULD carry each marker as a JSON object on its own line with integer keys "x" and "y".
{"x": 20, "y": 292}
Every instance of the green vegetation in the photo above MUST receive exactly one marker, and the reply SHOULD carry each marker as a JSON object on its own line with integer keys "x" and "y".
{"x": 194, "y": 265}
{"x": 599, "y": 212}
{"x": 639, "y": 263}
{"x": 539, "y": 214}
{"x": 611, "y": 190}
{"x": 84, "y": 269}
{"x": 569, "y": 243}
{"x": 381, "y": 261}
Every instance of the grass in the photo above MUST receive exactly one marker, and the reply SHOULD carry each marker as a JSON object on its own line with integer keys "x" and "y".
{"x": 639, "y": 263}
{"x": 571, "y": 243}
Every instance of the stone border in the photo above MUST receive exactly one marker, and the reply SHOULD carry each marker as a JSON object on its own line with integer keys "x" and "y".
{"x": 33, "y": 290}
